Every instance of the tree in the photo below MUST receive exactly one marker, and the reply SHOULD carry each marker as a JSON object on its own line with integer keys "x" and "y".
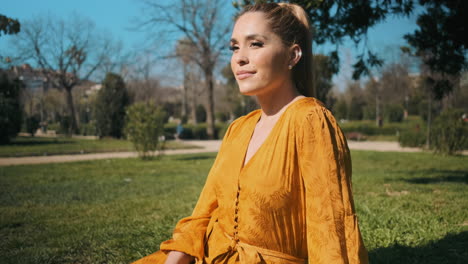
{"x": 202, "y": 25}
{"x": 10, "y": 108}
{"x": 334, "y": 21}
{"x": 110, "y": 106}
{"x": 356, "y": 103}
{"x": 183, "y": 50}
{"x": 441, "y": 41}
{"x": 394, "y": 83}
{"x": 340, "y": 109}
{"x": 68, "y": 52}
{"x": 141, "y": 85}
{"x": 8, "y": 26}
{"x": 323, "y": 73}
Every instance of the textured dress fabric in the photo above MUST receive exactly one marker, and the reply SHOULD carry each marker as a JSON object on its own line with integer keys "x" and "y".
{"x": 291, "y": 203}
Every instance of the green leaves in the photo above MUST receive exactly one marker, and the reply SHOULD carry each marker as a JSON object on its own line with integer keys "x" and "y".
{"x": 450, "y": 132}
{"x": 11, "y": 111}
{"x": 144, "y": 127}
{"x": 110, "y": 106}
{"x": 9, "y": 26}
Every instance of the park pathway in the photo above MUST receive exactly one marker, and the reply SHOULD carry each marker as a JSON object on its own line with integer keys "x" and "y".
{"x": 205, "y": 146}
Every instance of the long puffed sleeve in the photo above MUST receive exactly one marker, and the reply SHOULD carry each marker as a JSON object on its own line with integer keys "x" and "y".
{"x": 189, "y": 232}
{"x": 333, "y": 234}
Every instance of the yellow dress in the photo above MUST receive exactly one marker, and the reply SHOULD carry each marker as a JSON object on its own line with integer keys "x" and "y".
{"x": 291, "y": 203}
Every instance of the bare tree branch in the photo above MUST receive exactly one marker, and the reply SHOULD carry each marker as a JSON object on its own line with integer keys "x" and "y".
{"x": 67, "y": 51}
{"x": 200, "y": 24}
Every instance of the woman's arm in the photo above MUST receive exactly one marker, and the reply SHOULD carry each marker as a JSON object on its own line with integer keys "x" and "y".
{"x": 176, "y": 257}
{"x": 189, "y": 234}
{"x": 333, "y": 236}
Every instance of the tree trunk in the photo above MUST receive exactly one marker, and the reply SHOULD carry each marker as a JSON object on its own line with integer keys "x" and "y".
{"x": 184, "y": 98}
{"x": 71, "y": 111}
{"x": 429, "y": 121}
{"x": 193, "y": 103}
{"x": 378, "y": 118}
{"x": 210, "y": 121}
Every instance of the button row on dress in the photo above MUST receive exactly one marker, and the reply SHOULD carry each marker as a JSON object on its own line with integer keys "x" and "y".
{"x": 235, "y": 238}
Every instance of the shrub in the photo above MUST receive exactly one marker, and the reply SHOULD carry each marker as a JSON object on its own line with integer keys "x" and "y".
{"x": 170, "y": 129}
{"x": 200, "y": 113}
{"x": 412, "y": 138}
{"x": 340, "y": 110}
{"x": 450, "y": 132}
{"x": 369, "y": 128}
{"x": 222, "y": 116}
{"x": 65, "y": 123}
{"x": 144, "y": 127}
{"x": 199, "y": 131}
{"x": 187, "y": 132}
{"x": 88, "y": 129}
{"x": 394, "y": 113}
{"x": 356, "y": 109}
{"x": 424, "y": 107}
{"x": 32, "y": 124}
{"x": 368, "y": 112}
{"x": 10, "y": 108}
{"x": 110, "y": 106}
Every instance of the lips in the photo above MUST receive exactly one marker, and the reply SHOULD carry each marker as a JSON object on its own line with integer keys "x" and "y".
{"x": 244, "y": 74}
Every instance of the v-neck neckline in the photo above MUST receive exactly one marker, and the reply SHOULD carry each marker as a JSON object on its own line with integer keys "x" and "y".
{"x": 272, "y": 131}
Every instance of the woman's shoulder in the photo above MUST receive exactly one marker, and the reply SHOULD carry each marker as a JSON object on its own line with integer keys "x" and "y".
{"x": 314, "y": 121}
{"x": 309, "y": 108}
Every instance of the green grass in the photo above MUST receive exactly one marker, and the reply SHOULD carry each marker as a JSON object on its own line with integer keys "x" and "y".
{"x": 412, "y": 207}
{"x": 40, "y": 146}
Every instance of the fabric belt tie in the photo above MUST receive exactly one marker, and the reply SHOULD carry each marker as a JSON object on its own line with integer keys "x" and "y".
{"x": 250, "y": 254}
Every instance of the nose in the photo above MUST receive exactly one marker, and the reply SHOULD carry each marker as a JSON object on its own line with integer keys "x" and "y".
{"x": 240, "y": 57}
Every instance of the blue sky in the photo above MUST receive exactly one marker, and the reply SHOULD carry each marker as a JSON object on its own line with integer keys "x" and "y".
{"x": 115, "y": 16}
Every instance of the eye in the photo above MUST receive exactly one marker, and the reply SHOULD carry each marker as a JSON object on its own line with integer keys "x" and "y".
{"x": 256, "y": 44}
{"x": 233, "y": 48}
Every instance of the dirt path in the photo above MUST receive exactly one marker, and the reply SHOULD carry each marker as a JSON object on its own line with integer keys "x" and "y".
{"x": 380, "y": 146}
{"x": 206, "y": 146}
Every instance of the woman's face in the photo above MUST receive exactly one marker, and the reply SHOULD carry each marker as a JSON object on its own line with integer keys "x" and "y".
{"x": 259, "y": 59}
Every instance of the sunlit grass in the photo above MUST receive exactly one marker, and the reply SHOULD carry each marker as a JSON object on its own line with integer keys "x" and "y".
{"x": 40, "y": 146}
{"x": 412, "y": 207}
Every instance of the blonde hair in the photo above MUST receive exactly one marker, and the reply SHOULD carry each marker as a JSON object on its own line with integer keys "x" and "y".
{"x": 290, "y": 22}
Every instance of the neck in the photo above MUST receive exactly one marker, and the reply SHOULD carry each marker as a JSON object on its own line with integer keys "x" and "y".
{"x": 274, "y": 101}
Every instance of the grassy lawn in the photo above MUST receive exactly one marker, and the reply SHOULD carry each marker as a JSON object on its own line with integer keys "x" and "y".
{"x": 412, "y": 207}
{"x": 39, "y": 146}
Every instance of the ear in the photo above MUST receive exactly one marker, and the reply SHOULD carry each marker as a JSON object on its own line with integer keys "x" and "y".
{"x": 295, "y": 52}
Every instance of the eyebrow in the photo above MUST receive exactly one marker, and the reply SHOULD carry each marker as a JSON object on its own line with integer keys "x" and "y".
{"x": 250, "y": 37}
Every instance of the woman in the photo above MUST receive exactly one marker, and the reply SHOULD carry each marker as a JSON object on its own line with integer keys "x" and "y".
{"x": 280, "y": 188}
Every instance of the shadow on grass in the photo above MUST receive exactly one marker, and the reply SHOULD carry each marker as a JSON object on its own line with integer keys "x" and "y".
{"x": 438, "y": 176}
{"x": 450, "y": 249}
